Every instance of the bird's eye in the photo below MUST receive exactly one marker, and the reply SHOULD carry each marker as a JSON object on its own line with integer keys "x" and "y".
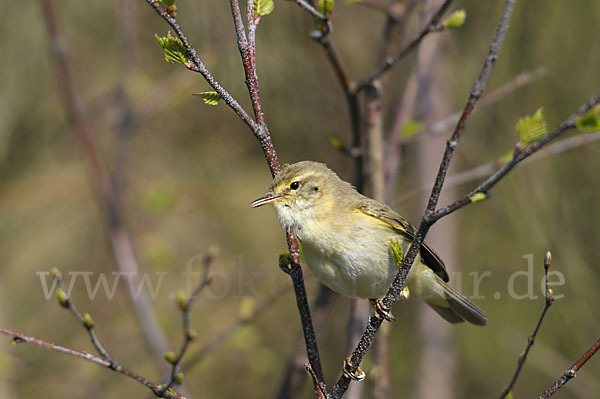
{"x": 295, "y": 185}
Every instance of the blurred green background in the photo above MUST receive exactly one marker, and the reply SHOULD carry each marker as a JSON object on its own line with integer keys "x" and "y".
{"x": 188, "y": 171}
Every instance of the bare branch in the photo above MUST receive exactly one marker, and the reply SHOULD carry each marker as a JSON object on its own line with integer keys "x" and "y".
{"x": 189, "y": 334}
{"x": 517, "y": 158}
{"x": 349, "y": 89}
{"x": 531, "y": 340}
{"x": 489, "y": 168}
{"x": 86, "y": 321}
{"x": 155, "y": 388}
{"x": 293, "y": 269}
{"x": 261, "y": 132}
{"x": 432, "y": 26}
{"x": 399, "y": 282}
{"x": 571, "y": 371}
{"x": 311, "y": 10}
{"x": 242, "y": 320}
{"x": 522, "y": 79}
{"x": 294, "y": 373}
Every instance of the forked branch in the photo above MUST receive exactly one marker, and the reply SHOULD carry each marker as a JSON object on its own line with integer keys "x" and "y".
{"x": 549, "y": 300}
{"x": 246, "y": 46}
{"x": 155, "y": 388}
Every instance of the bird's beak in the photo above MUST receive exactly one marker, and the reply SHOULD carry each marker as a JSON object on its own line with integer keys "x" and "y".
{"x": 267, "y": 199}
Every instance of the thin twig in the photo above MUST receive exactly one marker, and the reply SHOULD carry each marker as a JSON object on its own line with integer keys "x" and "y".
{"x": 86, "y": 321}
{"x": 489, "y": 168}
{"x": 349, "y": 89}
{"x": 531, "y": 340}
{"x": 186, "y": 304}
{"x": 121, "y": 242}
{"x": 571, "y": 372}
{"x": 242, "y": 320}
{"x": 155, "y": 388}
{"x": 198, "y": 66}
{"x": 399, "y": 281}
{"x": 294, "y": 373}
{"x": 294, "y": 270}
{"x": 247, "y": 52}
{"x": 442, "y": 126}
{"x": 431, "y": 27}
{"x": 320, "y": 393}
{"x": 311, "y": 10}
{"x": 517, "y": 158}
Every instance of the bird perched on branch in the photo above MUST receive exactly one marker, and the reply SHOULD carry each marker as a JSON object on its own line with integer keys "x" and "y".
{"x": 347, "y": 238}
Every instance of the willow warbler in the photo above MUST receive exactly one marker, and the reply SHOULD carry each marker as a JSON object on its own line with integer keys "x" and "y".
{"x": 346, "y": 240}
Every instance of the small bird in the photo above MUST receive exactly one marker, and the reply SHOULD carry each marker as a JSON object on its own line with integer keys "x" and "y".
{"x": 346, "y": 240}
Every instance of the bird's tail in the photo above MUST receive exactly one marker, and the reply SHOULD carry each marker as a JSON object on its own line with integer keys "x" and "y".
{"x": 459, "y": 308}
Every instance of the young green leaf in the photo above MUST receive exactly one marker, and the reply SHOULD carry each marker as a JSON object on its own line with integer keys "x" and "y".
{"x": 478, "y": 197}
{"x": 325, "y": 7}
{"x": 411, "y": 128}
{"x": 247, "y": 308}
{"x": 285, "y": 261}
{"x": 175, "y": 51}
{"x": 170, "y": 357}
{"x": 335, "y": 141}
{"x": 209, "y": 97}
{"x": 532, "y": 128}
{"x": 88, "y": 321}
{"x": 397, "y": 251}
{"x": 263, "y": 7}
{"x": 455, "y": 20}
{"x": 168, "y": 2}
{"x": 63, "y": 298}
{"x": 590, "y": 121}
{"x": 182, "y": 300}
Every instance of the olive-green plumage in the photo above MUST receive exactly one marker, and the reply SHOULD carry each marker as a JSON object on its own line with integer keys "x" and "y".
{"x": 346, "y": 237}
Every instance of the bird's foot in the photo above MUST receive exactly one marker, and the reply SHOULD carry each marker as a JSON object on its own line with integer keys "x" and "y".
{"x": 351, "y": 373}
{"x": 383, "y": 312}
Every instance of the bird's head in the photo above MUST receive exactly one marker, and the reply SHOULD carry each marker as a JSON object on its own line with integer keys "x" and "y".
{"x": 303, "y": 191}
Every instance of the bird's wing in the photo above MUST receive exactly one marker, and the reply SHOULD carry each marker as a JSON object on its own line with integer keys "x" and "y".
{"x": 398, "y": 223}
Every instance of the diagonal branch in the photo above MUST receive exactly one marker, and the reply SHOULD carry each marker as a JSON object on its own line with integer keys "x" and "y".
{"x": 198, "y": 66}
{"x": 442, "y": 126}
{"x": 243, "y": 319}
{"x": 155, "y": 388}
{"x": 398, "y": 284}
{"x": 571, "y": 371}
{"x": 431, "y": 27}
{"x": 517, "y": 158}
{"x": 311, "y": 10}
{"x": 85, "y": 320}
{"x": 506, "y": 392}
{"x": 487, "y": 169}
{"x": 259, "y": 129}
{"x": 185, "y": 305}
